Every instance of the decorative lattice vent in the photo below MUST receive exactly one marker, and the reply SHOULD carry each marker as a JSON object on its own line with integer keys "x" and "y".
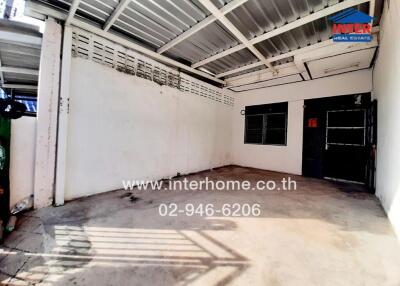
{"x": 100, "y": 50}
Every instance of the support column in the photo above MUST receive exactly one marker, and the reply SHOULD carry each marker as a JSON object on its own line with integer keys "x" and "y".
{"x": 46, "y": 129}
{"x": 63, "y": 117}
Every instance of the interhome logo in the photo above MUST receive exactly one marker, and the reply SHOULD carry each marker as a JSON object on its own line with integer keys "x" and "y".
{"x": 352, "y": 25}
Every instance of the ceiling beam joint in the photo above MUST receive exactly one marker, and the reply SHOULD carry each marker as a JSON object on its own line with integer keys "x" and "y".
{"x": 200, "y": 25}
{"x": 235, "y": 31}
{"x": 115, "y": 14}
{"x": 72, "y": 10}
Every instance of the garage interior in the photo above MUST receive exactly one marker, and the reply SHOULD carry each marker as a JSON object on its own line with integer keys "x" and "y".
{"x": 189, "y": 91}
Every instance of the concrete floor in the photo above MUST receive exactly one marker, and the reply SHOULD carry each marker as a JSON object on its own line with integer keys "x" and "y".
{"x": 324, "y": 233}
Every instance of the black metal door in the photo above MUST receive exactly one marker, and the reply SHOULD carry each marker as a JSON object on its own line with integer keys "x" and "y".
{"x": 338, "y": 135}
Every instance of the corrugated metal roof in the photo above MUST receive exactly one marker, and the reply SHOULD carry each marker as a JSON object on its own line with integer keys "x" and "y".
{"x": 211, "y": 40}
{"x": 154, "y": 23}
{"x": 20, "y": 55}
{"x": 238, "y": 59}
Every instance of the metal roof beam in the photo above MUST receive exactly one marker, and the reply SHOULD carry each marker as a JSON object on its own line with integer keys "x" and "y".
{"x": 20, "y": 86}
{"x": 115, "y": 14}
{"x": 18, "y": 70}
{"x": 235, "y": 31}
{"x": 261, "y": 75}
{"x": 72, "y": 10}
{"x": 285, "y": 28}
{"x": 201, "y": 25}
{"x": 17, "y": 52}
{"x": 20, "y": 39}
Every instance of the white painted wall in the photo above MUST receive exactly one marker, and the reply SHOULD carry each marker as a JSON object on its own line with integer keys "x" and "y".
{"x": 122, "y": 127}
{"x": 386, "y": 78}
{"x": 288, "y": 158}
{"x": 22, "y": 158}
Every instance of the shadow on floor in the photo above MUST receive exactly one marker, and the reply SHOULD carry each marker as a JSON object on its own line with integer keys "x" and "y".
{"x": 179, "y": 257}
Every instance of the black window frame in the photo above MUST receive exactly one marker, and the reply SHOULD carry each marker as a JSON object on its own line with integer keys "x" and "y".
{"x": 265, "y": 111}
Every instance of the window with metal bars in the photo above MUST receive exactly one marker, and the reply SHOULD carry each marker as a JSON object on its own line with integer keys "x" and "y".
{"x": 266, "y": 124}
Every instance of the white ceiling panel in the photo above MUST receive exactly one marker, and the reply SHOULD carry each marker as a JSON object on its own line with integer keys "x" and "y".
{"x": 341, "y": 63}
